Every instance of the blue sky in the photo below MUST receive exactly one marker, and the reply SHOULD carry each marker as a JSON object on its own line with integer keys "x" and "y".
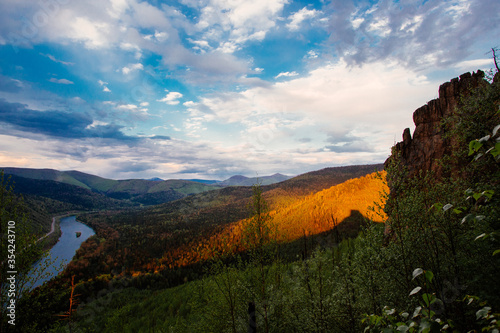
{"x": 213, "y": 88}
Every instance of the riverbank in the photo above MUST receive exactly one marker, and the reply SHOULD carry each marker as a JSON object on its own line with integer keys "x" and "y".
{"x": 52, "y": 237}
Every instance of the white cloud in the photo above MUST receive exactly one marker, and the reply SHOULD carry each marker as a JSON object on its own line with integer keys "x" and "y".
{"x": 104, "y": 86}
{"x": 130, "y": 107}
{"x": 172, "y": 98}
{"x": 417, "y": 36}
{"x": 132, "y": 47}
{"x": 229, "y": 47}
{"x": 92, "y": 34}
{"x": 200, "y": 45}
{"x": 157, "y": 37}
{"x": 475, "y": 64}
{"x": 331, "y": 98}
{"x": 312, "y": 54}
{"x": 134, "y": 109}
{"x": 161, "y": 36}
{"x": 61, "y": 81}
{"x": 189, "y": 104}
{"x": 356, "y": 22}
{"x": 411, "y": 24}
{"x": 297, "y": 18}
{"x": 51, "y": 57}
{"x": 238, "y": 21}
{"x": 118, "y": 8}
{"x": 97, "y": 123}
{"x": 132, "y": 67}
{"x": 459, "y": 8}
{"x": 380, "y": 26}
{"x": 286, "y": 74}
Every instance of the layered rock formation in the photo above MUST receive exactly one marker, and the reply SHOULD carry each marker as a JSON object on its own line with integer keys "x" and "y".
{"x": 428, "y": 145}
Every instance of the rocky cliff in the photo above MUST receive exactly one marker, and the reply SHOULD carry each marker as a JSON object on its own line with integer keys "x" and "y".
{"x": 429, "y": 144}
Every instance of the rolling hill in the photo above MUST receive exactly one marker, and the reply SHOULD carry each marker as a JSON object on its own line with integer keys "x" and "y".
{"x": 136, "y": 191}
{"x": 133, "y": 191}
{"x": 59, "y": 197}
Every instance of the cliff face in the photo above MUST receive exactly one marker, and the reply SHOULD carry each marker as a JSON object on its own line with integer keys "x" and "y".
{"x": 428, "y": 144}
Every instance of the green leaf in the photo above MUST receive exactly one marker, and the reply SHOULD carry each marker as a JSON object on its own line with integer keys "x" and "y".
{"x": 417, "y": 311}
{"x": 437, "y": 206}
{"x": 485, "y": 138}
{"x": 428, "y": 313}
{"x": 474, "y": 146}
{"x": 446, "y": 207}
{"x": 468, "y": 218}
{"x": 417, "y": 272}
{"x": 483, "y": 312}
{"x": 496, "y": 150}
{"x": 429, "y": 275}
{"x": 488, "y": 194}
{"x": 495, "y": 130}
{"x": 481, "y": 236}
{"x": 428, "y": 299}
{"x": 415, "y": 290}
{"x": 390, "y": 312}
{"x": 496, "y": 252}
{"x": 403, "y": 328}
{"x": 425, "y": 326}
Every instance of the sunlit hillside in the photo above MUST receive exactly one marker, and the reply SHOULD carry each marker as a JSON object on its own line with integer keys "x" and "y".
{"x": 305, "y": 216}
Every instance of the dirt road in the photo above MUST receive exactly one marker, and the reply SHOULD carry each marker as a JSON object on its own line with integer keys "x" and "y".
{"x": 52, "y": 228}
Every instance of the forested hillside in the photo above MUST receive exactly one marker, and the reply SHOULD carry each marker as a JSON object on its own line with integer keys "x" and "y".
{"x": 306, "y": 216}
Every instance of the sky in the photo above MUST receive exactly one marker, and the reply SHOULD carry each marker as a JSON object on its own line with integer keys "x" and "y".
{"x": 213, "y": 88}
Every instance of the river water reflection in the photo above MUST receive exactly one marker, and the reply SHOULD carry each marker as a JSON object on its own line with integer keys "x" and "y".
{"x": 66, "y": 247}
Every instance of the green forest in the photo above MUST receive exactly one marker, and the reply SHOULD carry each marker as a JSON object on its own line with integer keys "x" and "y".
{"x": 433, "y": 265}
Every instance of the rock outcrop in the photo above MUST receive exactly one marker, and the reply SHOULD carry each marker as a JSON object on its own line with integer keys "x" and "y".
{"x": 428, "y": 145}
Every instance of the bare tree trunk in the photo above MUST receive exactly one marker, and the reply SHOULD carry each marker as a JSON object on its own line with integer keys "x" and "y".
{"x": 495, "y": 59}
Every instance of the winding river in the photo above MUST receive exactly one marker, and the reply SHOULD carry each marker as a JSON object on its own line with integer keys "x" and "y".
{"x": 65, "y": 248}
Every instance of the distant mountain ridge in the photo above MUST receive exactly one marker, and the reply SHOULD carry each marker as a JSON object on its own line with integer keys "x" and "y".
{"x": 100, "y": 184}
{"x": 137, "y": 191}
{"x": 240, "y": 180}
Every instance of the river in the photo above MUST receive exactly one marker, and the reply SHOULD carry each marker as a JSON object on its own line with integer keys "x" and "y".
{"x": 65, "y": 248}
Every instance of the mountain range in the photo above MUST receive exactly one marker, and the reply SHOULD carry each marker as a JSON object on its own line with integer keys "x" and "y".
{"x": 85, "y": 191}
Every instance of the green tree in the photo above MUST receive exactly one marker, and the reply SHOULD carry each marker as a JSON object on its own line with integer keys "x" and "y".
{"x": 19, "y": 249}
